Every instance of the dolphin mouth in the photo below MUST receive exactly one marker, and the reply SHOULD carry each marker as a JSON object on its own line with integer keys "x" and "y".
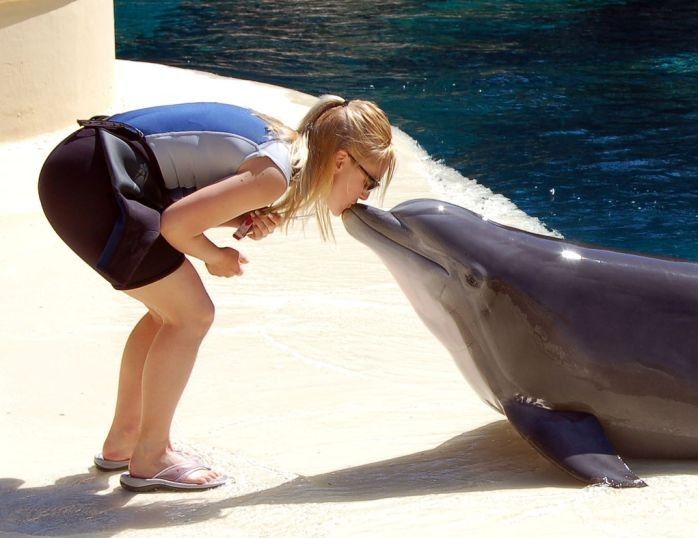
{"x": 382, "y": 222}
{"x": 385, "y": 225}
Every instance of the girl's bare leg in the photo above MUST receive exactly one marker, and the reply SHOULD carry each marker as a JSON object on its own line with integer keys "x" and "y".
{"x": 186, "y": 311}
{"x": 125, "y": 428}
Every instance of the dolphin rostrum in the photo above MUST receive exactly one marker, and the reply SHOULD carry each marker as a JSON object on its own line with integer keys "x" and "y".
{"x": 589, "y": 352}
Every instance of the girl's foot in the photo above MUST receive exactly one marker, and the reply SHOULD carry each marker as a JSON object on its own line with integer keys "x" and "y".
{"x": 182, "y": 470}
{"x": 104, "y": 464}
{"x": 119, "y": 444}
{"x": 118, "y": 448}
{"x": 174, "y": 477}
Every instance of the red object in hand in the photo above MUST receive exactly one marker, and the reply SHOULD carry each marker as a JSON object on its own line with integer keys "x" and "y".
{"x": 244, "y": 228}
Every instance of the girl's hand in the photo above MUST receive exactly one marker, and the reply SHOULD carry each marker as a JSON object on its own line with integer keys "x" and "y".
{"x": 263, "y": 224}
{"x": 228, "y": 263}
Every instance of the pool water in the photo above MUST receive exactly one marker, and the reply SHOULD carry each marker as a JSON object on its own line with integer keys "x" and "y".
{"x": 583, "y": 113}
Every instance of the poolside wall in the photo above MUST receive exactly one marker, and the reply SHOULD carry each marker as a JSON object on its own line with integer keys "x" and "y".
{"x": 56, "y": 63}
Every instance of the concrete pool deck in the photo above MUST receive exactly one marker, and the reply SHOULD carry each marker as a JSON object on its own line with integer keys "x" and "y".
{"x": 318, "y": 389}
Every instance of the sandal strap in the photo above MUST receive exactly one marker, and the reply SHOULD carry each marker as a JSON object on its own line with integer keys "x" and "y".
{"x": 178, "y": 471}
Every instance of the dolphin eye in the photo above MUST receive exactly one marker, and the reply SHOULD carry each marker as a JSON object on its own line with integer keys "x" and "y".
{"x": 474, "y": 276}
{"x": 473, "y": 281}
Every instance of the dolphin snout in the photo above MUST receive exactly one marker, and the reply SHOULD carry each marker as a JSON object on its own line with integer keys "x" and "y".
{"x": 369, "y": 215}
{"x": 357, "y": 211}
{"x": 364, "y": 222}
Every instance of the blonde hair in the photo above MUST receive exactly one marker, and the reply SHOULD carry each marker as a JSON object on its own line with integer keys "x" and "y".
{"x": 358, "y": 127}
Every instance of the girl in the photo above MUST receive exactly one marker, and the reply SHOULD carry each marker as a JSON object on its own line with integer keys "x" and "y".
{"x": 133, "y": 193}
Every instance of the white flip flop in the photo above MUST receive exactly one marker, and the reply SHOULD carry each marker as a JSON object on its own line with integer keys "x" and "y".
{"x": 171, "y": 478}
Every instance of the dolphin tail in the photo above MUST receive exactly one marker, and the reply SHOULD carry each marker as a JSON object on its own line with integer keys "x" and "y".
{"x": 572, "y": 440}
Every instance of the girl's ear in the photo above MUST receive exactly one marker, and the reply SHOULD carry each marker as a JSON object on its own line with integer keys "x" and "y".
{"x": 341, "y": 157}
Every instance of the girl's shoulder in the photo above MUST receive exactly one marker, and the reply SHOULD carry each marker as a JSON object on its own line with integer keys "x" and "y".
{"x": 280, "y": 154}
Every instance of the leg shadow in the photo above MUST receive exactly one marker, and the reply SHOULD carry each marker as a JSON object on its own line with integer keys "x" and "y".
{"x": 81, "y": 504}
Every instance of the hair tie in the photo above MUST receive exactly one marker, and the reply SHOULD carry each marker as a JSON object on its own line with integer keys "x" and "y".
{"x": 345, "y": 104}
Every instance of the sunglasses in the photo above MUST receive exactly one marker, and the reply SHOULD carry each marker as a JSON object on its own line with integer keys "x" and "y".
{"x": 371, "y": 182}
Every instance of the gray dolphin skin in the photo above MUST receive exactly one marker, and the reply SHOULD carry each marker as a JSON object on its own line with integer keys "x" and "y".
{"x": 589, "y": 352}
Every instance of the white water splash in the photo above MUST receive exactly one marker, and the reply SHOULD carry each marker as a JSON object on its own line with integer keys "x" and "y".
{"x": 449, "y": 185}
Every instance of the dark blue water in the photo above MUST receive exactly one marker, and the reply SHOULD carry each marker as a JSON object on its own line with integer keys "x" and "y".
{"x": 584, "y": 113}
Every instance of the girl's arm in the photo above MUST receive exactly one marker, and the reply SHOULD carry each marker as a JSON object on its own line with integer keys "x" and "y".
{"x": 234, "y": 222}
{"x": 258, "y": 183}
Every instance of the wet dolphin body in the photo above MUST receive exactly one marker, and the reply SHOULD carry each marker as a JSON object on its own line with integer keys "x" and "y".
{"x": 589, "y": 352}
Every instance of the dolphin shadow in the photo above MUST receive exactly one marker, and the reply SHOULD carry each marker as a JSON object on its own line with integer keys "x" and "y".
{"x": 492, "y": 457}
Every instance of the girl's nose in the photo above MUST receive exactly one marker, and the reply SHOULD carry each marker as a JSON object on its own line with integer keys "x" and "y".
{"x": 364, "y": 194}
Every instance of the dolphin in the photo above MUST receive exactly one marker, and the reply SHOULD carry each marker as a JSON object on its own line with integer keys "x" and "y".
{"x": 589, "y": 352}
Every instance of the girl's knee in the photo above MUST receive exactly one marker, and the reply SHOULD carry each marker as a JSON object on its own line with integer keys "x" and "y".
{"x": 206, "y": 315}
{"x": 179, "y": 301}
{"x": 196, "y": 319}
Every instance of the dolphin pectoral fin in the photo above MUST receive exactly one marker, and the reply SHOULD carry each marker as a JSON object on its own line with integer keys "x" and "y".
{"x": 574, "y": 441}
